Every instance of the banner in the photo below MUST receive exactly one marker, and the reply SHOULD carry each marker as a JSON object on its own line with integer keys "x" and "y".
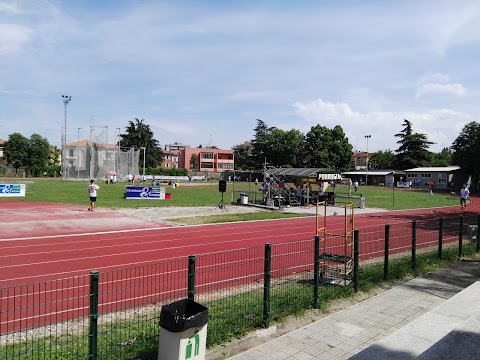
{"x": 12, "y": 189}
{"x": 145, "y": 192}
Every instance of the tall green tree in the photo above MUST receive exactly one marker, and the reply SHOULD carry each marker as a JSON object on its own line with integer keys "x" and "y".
{"x": 38, "y": 154}
{"x": 382, "y": 160}
{"x": 242, "y": 154}
{"x": 285, "y": 148}
{"x": 194, "y": 162}
{"x": 261, "y": 146}
{"x": 443, "y": 158}
{"x": 327, "y": 148}
{"x": 466, "y": 150}
{"x": 138, "y": 134}
{"x": 16, "y": 150}
{"x": 413, "y": 150}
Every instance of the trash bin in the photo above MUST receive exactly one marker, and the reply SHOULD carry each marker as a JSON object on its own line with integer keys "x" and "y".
{"x": 472, "y": 232}
{"x": 183, "y": 331}
{"x": 244, "y": 198}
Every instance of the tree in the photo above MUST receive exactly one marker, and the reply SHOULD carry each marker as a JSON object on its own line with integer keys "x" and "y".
{"x": 466, "y": 148}
{"x": 138, "y": 134}
{"x": 382, "y": 160}
{"x": 242, "y": 155}
{"x": 261, "y": 148}
{"x": 413, "y": 150}
{"x": 443, "y": 158}
{"x": 38, "y": 154}
{"x": 285, "y": 147}
{"x": 327, "y": 148}
{"x": 16, "y": 150}
{"x": 194, "y": 162}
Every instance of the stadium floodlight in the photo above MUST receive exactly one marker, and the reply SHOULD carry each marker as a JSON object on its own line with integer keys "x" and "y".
{"x": 366, "y": 163}
{"x": 66, "y": 100}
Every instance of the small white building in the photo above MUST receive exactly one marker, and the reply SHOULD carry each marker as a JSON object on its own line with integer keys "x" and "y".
{"x": 442, "y": 177}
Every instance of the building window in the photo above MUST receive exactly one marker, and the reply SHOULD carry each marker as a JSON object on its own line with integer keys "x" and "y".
{"x": 206, "y": 156}
{"x": 206, "y": 165}
{"x": 442, "y": 181}
{"x": 229, "y": 157}
{"x": 225, "y": 166}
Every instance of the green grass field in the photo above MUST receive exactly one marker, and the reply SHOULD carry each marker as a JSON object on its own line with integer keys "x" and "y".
{"x": 207, "y": 194}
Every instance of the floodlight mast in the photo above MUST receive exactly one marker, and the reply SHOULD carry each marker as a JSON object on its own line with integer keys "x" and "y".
{"x": 66, "y": 100}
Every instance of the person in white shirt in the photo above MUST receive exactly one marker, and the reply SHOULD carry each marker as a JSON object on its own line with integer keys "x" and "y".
{"x": 464, "y": 196}
{"x": 92, "y": 191}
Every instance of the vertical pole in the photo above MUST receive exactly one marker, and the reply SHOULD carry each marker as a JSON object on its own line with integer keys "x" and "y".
{"x": 387, "y": 247}
{"x": 414, "y": 245}
{"x": 316, "y": 271}
{"x": 477, "y": 247}
{"x": 191, "y": 277}
{"x": 93, "y": 316}
{"x": 440, "y": 238}
{"x": 460, "y": 237}
{"x": 355, "y": 260}
{"x": 78, "y": 153}
{"x": 266, "y": 285}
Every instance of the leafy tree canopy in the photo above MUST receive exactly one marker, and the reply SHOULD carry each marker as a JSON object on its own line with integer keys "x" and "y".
{"x": 413, "y": 149}
{"x": 466, "y": 150}
{"x": 382, "y": 160}
{"x": 138, "y": 134}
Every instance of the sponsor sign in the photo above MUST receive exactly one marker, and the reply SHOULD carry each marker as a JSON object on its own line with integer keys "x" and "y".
{"x": 403, "y": 184}
{"x": 12, "y": 189}
{"x": 145, "y": 192}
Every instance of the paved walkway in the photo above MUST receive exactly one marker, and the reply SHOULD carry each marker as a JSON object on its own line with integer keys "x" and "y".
{"x": 350, "y": 333}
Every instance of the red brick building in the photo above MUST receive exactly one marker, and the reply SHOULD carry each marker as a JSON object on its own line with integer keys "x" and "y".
{"x": 209, "y": 159}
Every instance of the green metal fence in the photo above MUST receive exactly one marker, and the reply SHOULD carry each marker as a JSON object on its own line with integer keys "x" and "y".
{"x": 115, "y": 314}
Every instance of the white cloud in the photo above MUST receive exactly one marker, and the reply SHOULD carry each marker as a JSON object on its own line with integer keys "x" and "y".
{"x": 436, "y": 88}
{"x": 13, "y": 38}
{"x": 441, "y": 126}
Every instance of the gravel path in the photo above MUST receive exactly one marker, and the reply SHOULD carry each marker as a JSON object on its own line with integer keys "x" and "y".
{"x": 160, "y": 214}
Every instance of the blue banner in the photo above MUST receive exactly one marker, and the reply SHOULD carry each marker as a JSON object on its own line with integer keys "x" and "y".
{"x": 145, "y": 192}
{"x": 12, "y": 190}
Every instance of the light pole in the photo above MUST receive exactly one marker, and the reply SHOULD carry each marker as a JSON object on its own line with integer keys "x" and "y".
{"x": 78, "y": 153}
{"x": 66, "y": 100}
{"x": 366, "y": 167}
{"x": 144, "y": 151}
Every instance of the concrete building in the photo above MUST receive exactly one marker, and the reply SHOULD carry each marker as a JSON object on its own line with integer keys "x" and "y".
{"x": 443, "y": 177}
{"x": 209, "y": 159}
{"x": 359, "y": 159}
{"x": 171, "y": 155}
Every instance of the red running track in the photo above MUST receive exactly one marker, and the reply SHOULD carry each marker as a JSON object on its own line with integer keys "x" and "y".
{"x": 41, "y": 242}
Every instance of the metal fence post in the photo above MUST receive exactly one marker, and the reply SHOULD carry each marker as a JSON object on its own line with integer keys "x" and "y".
{"x": 440, "y": 238}
{"x": 387, "y": 246}
{"x": 191, "y": 277}
{"x": 477, "y": 248}
{"x": 266, "y": 284}
{"x": 93, "y": 316}
{"x": 316, "y": 272}
{"x": 355, "y": 260}
{"x": 460, "y": 237}
{"x": 414, "y": 244}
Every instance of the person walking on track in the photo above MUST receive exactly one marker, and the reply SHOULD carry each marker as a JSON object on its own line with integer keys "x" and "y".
{"x": 92, "y": 191}
{"x": 464, "y": 196}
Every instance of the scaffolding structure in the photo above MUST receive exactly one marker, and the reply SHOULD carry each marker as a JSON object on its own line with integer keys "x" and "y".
{"x": 336, "y": 249}
{"x": 96, "y": 158}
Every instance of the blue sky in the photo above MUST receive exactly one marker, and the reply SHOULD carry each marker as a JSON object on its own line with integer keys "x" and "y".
{"x": 202, "y": 72}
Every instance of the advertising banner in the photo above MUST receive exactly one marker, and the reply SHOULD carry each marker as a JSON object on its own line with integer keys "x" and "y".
{"x": 145, "y": 192}
{"x": 12, "y": 189}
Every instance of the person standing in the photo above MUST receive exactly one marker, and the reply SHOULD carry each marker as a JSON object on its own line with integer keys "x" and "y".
{"x": 92, "y": 191}
{"x": 464, "y": 193}
{"x": 355, "y": 185}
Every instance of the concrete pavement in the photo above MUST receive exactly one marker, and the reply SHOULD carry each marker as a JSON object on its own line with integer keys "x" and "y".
{"x": 430, "y": 317}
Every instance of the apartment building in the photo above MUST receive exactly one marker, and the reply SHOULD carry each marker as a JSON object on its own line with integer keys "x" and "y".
{"x": 209, "y": 159}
